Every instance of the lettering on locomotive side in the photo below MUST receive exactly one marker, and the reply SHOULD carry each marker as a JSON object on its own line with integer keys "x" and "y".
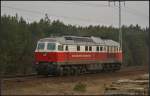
{"x": 81, "y": 55}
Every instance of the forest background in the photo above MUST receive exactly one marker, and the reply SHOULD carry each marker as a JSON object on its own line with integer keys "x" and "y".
{"x": 18, "y": 41}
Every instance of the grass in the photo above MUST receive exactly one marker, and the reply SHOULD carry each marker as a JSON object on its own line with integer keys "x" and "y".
{"x": 80, "y": 87}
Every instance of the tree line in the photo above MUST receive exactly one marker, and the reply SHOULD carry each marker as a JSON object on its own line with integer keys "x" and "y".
{"x": 18, "y": 41}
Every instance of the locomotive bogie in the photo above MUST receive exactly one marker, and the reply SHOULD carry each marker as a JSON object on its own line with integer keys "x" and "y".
{"x": 76, "y": 69}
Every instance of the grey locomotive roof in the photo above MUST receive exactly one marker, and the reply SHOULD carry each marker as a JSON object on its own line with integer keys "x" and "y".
{"x": 80, "y": 40}
{"x": 111, "y": 43}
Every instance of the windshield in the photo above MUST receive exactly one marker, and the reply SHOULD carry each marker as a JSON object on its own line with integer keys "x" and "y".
{"x": 51, "y": 46}
{"x": 40, "y": 46}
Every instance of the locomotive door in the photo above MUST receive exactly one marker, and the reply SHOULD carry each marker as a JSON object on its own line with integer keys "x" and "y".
{"x": 110, "y": 53}
{"x": 67, "y": 54}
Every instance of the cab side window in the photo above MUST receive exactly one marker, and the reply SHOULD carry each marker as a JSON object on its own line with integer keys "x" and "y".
{"x": 86, "y": 48}
{"x": 78, "y": 48}
{"x": 60, "y": 47}
{"x": 97, "y": 48}
{"x": 66, "y": 48}
{"x": 51, "y": 46}
{"x": 90, "y": 48}
{"x": 101, "y": 48}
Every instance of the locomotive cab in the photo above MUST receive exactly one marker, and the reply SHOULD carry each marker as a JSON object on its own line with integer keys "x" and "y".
{"x": 44, "y": 49}
{"x": 45, "y": 57}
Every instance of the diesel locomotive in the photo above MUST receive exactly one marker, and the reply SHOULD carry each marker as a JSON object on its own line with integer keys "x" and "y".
{"x": 76, "y": 55}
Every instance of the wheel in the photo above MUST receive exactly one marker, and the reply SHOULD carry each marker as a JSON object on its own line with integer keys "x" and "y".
{"x": 42, "y": 70}
{"x": 104, "y": 68}
{"x": 83, "y": 69}
{"x": 118, "y": 66}
{"x": 67, "y": 70}
{"x": 109, "y": 67}
{"x": 72, "y": 71}
{"x": 77, "y": 70}
{"x": 113, "y": 67}
{"x": 61, "y": 71}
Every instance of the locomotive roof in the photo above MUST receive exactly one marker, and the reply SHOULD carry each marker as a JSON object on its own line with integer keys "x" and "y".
{"x": 81, "y": 40}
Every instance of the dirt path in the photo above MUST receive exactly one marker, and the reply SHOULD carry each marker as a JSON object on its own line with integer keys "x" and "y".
{"x": 95, "y": 83}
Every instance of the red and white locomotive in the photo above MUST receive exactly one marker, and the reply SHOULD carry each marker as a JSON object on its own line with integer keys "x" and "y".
{"x": 75, "y": 55}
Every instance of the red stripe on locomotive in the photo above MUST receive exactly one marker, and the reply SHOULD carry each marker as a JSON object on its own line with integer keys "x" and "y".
{"x": 75, "y": 56}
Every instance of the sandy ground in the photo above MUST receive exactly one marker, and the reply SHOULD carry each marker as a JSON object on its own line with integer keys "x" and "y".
{"x": 95, "y": 83}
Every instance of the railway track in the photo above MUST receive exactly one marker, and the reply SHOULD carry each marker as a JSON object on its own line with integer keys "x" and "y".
{"x": 96, "y": 82}
{"x": 19, "y": 77}
{"x": 125, "y": 71}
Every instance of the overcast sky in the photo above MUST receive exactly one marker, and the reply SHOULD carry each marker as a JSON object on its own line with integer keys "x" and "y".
{"x": 82, "y": 13}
